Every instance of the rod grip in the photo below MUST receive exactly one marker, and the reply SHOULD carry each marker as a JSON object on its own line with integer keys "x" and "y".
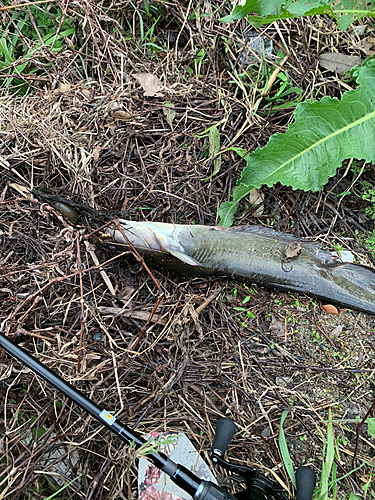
{"x": 225, "y": 429}
{"x": 305, "y": 483}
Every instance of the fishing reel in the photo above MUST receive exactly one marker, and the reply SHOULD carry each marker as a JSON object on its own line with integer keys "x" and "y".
{"x": 258, "y": 486}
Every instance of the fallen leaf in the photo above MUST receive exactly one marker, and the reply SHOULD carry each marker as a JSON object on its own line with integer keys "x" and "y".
{"x": 169, "y": 112}
{"x": 336, "y": 332}
{"x": 141, "y": 315}
{"x": 339, "y": 63}
{"x": 277, "y": 327}
{"x": 150, "y": 84}
{"x": 266, "y": 432}
{"x": 64, "y": 87}
{"x": 293, "y": 250}
{"x": 121, "y": 115}
{"x": 329, "y": 308}
{"x": 256, "y": 197}
{"x": 367, "y": 45}
{"x": 361, "y": 29}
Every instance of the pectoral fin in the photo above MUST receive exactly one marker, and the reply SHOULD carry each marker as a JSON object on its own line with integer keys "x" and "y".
{"x": 169, "y": 244}
{"x": 184, "y": 257}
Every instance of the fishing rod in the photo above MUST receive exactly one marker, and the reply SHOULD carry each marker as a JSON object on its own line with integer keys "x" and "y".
{"x": 258, "y": 486}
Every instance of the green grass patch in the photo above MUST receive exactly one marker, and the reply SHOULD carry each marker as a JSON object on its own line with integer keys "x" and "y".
{"x": 27, "y": 37}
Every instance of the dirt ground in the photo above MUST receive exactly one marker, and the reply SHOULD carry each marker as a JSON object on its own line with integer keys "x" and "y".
{"x": 86, "y": 128}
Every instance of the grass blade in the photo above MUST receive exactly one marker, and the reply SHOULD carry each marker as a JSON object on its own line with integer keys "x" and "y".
{"x": 284, "y": 450}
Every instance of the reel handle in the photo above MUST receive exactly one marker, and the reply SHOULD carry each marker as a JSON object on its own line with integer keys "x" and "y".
{"x": 305, "y": 483}
{"x": 225, "y": 429}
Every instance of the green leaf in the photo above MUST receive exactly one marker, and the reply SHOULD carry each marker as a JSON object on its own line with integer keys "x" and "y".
{"x": 226, "y": 213}
{"x": 240, "y": 151}
{"x": 327, "y": 465}
{"x": 240, "y": 11}
{"x": 353, "y": 496}
{"x": 323, "y": 134}
{"x": 214, "y": 148}
{"x": 345, "y": 11}
{"x": 217, "y": 166}
{"x": 371, "y": 426}
{"x": 299, "y": 9}
{"x": 54, "y": 495}
{"x": 214, "y": 140}
{"x": 169, "y": 112}
{"x": 284, "y": 450}
{"x": 262, "y": 8}
{"x": 228, "y": 208}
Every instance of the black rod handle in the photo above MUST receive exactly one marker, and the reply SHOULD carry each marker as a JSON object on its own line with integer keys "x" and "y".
{"x": 305, "y": 483}
{"x": 225, "y": 429}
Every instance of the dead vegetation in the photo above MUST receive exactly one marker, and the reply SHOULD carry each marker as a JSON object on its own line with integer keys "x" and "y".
{"x": 86, "y": 128}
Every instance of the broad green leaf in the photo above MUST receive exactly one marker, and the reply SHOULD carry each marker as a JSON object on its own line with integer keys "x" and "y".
{"x": 345, "y": 11}
{"x": 284, "y": 450}
{"x": 262, "y": 8}
{"x": 276, "y": 9}
{"x": 301, "y": 8}
{"x": 227, "y": 211}
{"x": 353, "y": 496}
{"x": 323, "y": 134}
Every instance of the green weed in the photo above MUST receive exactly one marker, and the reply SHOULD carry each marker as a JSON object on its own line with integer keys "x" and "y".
{"x": 327, "y": 486}
{"x": 369, "y": 196}
{"x": 213, "y": 148}
{"x": 304, "y": 158}
{"x": 284, "y": 451}
{"x": 368, "y": 241}
{"x": 21, "y": 42}
{"x": 244, "y": 313}
{"x": 54, "y": 495}
{"x": 344, "y": 11}
{"x": 153, "y": 445}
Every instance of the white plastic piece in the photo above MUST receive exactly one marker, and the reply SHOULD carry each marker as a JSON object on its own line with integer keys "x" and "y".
{"x": 155, "y": 485}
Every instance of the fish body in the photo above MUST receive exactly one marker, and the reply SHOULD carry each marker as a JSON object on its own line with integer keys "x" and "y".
{"x": 256, "y": 255}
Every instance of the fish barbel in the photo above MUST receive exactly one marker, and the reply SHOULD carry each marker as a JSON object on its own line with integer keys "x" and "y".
{"x": 253, "y": 254}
